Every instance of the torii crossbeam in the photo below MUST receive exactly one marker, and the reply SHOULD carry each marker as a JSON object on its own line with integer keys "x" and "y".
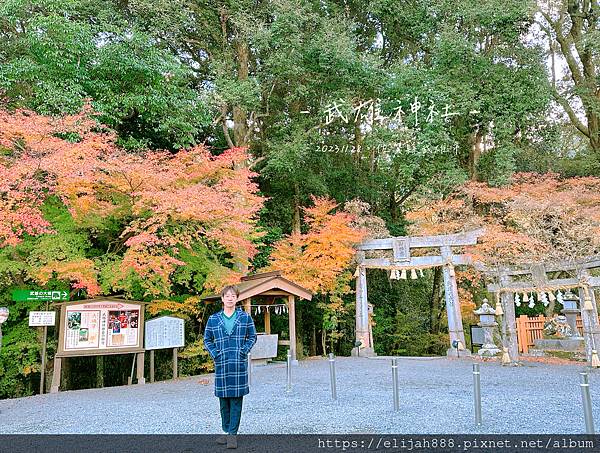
{"x": 402, "y": 259}
{"x": 538, "y": 281}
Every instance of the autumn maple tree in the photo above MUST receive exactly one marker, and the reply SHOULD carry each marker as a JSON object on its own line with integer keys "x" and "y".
{"x": 155, "y": 212}
{"x": 320, "y": 259}
{"x": 536, "y": 218}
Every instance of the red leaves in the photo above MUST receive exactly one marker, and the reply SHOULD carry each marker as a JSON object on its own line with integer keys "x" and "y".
{"x": 168, "y": 200}
{"x": 536, "y": 218}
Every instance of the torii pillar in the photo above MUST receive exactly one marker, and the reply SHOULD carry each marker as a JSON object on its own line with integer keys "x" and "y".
{"x": 362, "y": 314}
{"x": 455, "y": 325}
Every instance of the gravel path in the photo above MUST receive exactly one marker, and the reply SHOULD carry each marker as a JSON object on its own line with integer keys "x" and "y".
{"x": 435, "y": 397}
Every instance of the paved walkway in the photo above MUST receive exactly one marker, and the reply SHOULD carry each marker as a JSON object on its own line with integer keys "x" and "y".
{"x": 435, "y": 397}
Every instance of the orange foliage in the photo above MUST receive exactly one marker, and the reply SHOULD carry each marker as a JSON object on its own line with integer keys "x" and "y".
{"x": 81, "y": 273}
{"x": 168, "y": 201}
{"x": 318, "y": 258}
{"x": 535, "y": 218}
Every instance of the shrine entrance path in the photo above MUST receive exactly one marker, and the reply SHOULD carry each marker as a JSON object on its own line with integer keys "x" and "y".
{"x": 435, "y": 397}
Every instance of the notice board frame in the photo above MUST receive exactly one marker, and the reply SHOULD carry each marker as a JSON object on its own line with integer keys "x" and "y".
{"x": 62, "y": 352}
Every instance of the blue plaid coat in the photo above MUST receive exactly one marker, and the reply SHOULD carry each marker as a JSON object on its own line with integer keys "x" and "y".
{"x": 230, "y": 352}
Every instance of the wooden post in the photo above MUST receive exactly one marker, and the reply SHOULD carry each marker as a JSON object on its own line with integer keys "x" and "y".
{"x": 246, "y": 304}
{"x": 371, "y": 313}
{"x": 152, "y": 365}
{"x": 140, "y": 368}
{"x": 267, "y": 321}
{"x": 43, "y": 371}
{"x": 175, "y": 375}
{"x": 292, "y": 326}
{"x": 449, "y": 296}
{"x": 56, "y": 375}
{"x": 522, "y": 333}
{"x": 589, "y": 319}
{"x": 510, "y": 321}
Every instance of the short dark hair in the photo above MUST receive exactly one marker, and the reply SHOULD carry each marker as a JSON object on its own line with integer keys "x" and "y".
{"x": 230, "y": 288}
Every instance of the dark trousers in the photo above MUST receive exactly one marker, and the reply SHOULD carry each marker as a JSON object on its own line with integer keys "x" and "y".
{"x": 231, "y": 412}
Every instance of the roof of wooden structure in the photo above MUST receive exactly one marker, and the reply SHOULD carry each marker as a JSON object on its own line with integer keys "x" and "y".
{"x": 267, "y": 284}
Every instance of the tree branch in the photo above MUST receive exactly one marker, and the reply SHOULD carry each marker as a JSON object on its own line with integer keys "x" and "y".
{"x": 572, "y": 115}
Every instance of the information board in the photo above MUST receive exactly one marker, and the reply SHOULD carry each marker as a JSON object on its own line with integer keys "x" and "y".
{"x": 42, "y": 318}
{"x": 164, "y": 332}
{"x": 99, "y": 327}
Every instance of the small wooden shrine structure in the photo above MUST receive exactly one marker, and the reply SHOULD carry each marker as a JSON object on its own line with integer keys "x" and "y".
{"x": 268, "y": 286}
{"x": 534, "y": 279}
{"x": 402, "y": 259}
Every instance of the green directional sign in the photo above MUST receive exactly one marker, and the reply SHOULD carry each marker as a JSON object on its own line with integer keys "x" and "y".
{"x": 37, "y": 295}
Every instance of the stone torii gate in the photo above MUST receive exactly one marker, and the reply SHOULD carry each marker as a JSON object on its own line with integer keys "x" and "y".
{"x": 534, "y": 279}
{"x": 401, "y": 259}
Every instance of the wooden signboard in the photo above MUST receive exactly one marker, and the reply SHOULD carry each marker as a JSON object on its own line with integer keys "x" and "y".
{"x": 99, "y": 327}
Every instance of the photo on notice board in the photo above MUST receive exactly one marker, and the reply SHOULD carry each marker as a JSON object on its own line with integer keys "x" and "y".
{"x": 122, "y": 328}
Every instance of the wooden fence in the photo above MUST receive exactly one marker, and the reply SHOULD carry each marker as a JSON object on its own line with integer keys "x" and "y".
{"x": 530, "y": 329}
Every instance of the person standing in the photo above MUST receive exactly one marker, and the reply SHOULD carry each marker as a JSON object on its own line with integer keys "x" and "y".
{"x": 229, "y": 337}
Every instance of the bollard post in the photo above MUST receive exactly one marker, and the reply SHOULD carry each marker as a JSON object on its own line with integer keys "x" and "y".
{"x": 289, "y": 370}
{"x": 395, "y": 384}
{"x": 477, "y": 393}
{"x": 332, "y": 375}
{"x": 587, "y": 403}
{"x": 249, "y": 368}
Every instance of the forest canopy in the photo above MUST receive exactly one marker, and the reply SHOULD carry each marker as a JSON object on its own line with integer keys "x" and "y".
{"x": 162, "y": 149}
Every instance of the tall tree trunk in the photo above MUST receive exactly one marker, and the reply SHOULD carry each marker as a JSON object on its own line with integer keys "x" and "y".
{"x": 313, "y": 341}
{"x": 358, "y": 139}
{"x": 296, "y": 220}
{"x": 571, "y": 30}
{"x": 393, "y": 207}
{"x": 240, "y": 117}
{"x": 299, "y": 341}
{"x": 475, "y": 152}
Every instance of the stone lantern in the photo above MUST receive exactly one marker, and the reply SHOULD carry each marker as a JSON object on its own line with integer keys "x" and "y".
{"x": 3, "y": 317}
{"x": 571, "y": 311}
{"x": 487, "y": 321}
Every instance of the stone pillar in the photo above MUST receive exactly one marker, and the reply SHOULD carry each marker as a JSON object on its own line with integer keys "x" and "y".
{"x": 510, "y": 321}
{"x": 362, "y": 315}
{"x": 591, "y": 330}
{"x": 455, "y": 327}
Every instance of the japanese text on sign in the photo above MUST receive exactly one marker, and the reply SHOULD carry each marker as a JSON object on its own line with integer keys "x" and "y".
{"x": 164, "y": 332}
{"x": 42, "y": 318}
